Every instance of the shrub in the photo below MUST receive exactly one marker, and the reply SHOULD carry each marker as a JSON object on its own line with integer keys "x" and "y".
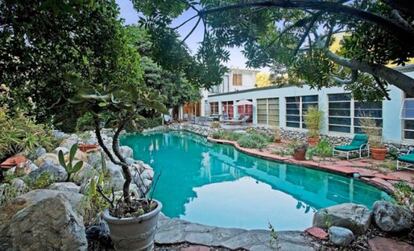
{"x": 313, "y": 121}
{"x": 226, "y": 135}
{"x": 404, "y": 195}
{"x": 253, "y": 140}
{"x": 322, "y": 149}
{"x": 44, "y": 180}
{"x": 20, "y": 133}
{"x": 85, "y": 122}
{"x": 215, "y": 125}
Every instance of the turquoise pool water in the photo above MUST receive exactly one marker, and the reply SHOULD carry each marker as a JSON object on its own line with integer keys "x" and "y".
{"x": 217, "y": 185}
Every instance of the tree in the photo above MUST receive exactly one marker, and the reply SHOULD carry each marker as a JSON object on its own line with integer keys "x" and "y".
{"x": 46, "y": 46}
{"x": 297, "y": 34}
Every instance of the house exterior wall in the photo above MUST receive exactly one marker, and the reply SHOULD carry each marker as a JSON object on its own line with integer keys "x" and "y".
{"x": 391, "y": 109}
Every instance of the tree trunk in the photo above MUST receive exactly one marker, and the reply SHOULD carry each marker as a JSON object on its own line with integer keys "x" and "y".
{"x": 392, "y": 76}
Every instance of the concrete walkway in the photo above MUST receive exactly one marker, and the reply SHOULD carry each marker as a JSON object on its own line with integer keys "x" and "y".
{"x": 176, "y": 231}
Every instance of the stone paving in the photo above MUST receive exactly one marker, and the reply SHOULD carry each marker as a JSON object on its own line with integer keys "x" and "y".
{"x": 363, "y": 168}
{"x": 174, "y": 231}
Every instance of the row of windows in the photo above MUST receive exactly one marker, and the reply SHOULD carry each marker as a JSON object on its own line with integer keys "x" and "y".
{"x": 344, "y": 113}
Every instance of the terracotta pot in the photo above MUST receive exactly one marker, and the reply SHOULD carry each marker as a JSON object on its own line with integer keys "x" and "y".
{"x": 278, "y": 140}
{"x": 313, "y": 141}
{"x": 88, "y": 147}
{"x": 378, "y": 153}
{"x": 135, "y": 233}
{"x": 299, "y": 154}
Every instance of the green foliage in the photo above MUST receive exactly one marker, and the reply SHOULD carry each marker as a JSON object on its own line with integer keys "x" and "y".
{"x": 322, "y": 149}
{"x": 274, "y": 238}
{"x": 85, "y": 122}
{"x": 226, "y": 135}
{"x": 253, "y": 140}
{"x": 69, "y": 166}
{"x": 215, "y": 125}
{"x": 20, "y": 133}
{"x": 7, "y": 193}
{"x": 405, "y": 195}
{"x": 44, "y": 180}
{"x": 313, "y": 121}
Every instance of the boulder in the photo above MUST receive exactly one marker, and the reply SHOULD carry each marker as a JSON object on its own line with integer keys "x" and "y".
{"x": 84, "y": 174}
{"x": 340, "y": 236}
{"x": 126, "y": 151}
{"x": 392, "y": 218}
{"x": 50, "y": 224}
{"x": 32, "y": 166}
{"x": 19, "y": 185}
{"x": 147, "y": 174}
{"x": 57, "y": 172}
{"x": 28, "y": 200}
{"x": 116, "y": 177}
{"x": 39, "y": 152}
{"x": 50, "y": 157}
{"x": 95, "y": 159}
{"x": 79, "y": 155}
{"x": 58, "y": 134}
{"x": 65, "y": 186}
{"x": 70, "y": 141}
{"x": 61, "y": 148}
{"x": 348, "y": 215}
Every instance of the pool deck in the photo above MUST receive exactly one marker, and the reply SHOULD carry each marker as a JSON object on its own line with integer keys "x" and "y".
{"x": 363, "y": 168}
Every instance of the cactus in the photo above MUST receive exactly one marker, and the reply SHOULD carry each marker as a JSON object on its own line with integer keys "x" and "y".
{"x": 69, "y": 167}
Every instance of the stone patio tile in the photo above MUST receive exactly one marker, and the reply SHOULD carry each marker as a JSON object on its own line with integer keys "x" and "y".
{"x": 384, "y": 244}
{"x": 195, "y": 248}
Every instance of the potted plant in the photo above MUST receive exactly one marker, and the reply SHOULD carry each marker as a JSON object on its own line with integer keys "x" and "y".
{"x": 313, "y": 122}
{"x": 376, "y": 147}
{"x": 299, "y": 150}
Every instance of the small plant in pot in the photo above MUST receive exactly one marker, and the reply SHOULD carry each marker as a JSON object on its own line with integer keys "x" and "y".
{"x": 132, "y": 220}
{"x": 299, "y": 150}
{"x": 376, "y": 147}
{"x": 313, "y": 122}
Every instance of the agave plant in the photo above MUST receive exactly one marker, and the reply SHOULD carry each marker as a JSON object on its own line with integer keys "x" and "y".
{"x": 69, "y": 166}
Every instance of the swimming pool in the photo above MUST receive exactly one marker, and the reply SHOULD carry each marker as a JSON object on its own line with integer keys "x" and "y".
{"x": 217, "y": 185}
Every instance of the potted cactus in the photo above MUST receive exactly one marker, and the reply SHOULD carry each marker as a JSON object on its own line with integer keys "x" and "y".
{"x": 313, "y": 122}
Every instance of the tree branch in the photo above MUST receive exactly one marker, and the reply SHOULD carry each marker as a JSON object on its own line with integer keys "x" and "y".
{"x": 392, "y": 26}
{"x": 352, "y": 79}
{"x": 399, "y": 79}
{"x": 192, "y": 30}
{"x": 381, "y": 86}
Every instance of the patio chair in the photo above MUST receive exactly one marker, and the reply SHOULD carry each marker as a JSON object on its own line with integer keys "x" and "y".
{"x": 406, "y": 160}
{"x": 240, "y": 121}
{"x": 358, "y": 145}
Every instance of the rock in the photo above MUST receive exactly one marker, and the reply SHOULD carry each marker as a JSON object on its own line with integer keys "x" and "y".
{"x": 384, "y": 244}
{"x": 99, "y": 233}
{"x": 79, "y": 155}
{"x": 61, "y": 148}
{"x": 392, "y": 218}
{"x": 58, "y": 134}
{"x": 50, "y": 224}
{"x": 68, "y": 142}
{"x": 147, "y": 174}
{"x": 95, "y": 159}
{"x": 317, "y": 232}
{"x": 19, "y": 185}
{"x": 126, "y": 151}
{"x": 39, "y": 152}
{"x": 57, "y": 172}
{"x": 340, "y": 236}
{"x": 32, "y": 166}
{"x": 84, "y": 174}
{"x": 349, "y": 215}
{"x": 116, "y": 177}
{"x": 27, "y": 200}
{"x": 130, "y": 161}
{"x": 65, "y": 186}
{"x": 51, "y": 157}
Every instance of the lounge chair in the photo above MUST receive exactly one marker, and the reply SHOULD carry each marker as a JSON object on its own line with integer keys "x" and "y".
{"x": 358, "y": 145}
{"x": 242, "y": 120}
{"x": 406, "y": 160}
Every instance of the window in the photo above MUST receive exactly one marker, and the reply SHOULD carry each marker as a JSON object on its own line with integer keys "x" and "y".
{"x": 296, "y": 108}
{"x": 339, "y": 112}
{"x": 214, "y": 108}
{"x": 237, "y": 79}
{"x": 407, "y": 115}
{"x": 228, "y": 108}
{"x": 268, "y": 111}
{"x": 345, "y": 114}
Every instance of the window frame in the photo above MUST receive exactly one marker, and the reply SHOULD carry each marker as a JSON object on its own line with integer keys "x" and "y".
{"x": 237, "y": 79}
{"x": 299, "y": 102}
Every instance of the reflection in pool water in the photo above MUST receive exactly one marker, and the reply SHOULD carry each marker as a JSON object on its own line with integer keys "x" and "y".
{"x": 217, "y": 185}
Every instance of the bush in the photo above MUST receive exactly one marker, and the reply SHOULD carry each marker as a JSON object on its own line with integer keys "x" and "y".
{"x": 253, "y": 140}
{"x": 322, "y": 149}
{"x": 404, "y": 195}
{"x": 20, "y": 133}
{"x": 44, "y": 180}
{"x": 226, "y": 135}
{"x": 85, "y": 123}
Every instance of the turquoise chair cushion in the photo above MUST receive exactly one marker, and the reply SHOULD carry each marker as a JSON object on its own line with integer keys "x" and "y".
{"x": 359, "y": 140}
{"x": 347, "y": 148}
{"x": 409, "y": 158}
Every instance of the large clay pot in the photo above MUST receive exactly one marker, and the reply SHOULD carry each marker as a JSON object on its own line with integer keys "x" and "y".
{"x": 135, "y": 233}
{"x": 313, "y": 141}
{"x": 378, "y": 153}
{"x": 299, "y": 154}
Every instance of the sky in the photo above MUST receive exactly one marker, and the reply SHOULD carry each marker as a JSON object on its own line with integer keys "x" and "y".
{"x": 130, "y": 15}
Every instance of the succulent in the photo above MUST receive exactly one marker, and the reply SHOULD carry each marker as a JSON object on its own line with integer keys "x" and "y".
{"x": 69, "y": 166}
